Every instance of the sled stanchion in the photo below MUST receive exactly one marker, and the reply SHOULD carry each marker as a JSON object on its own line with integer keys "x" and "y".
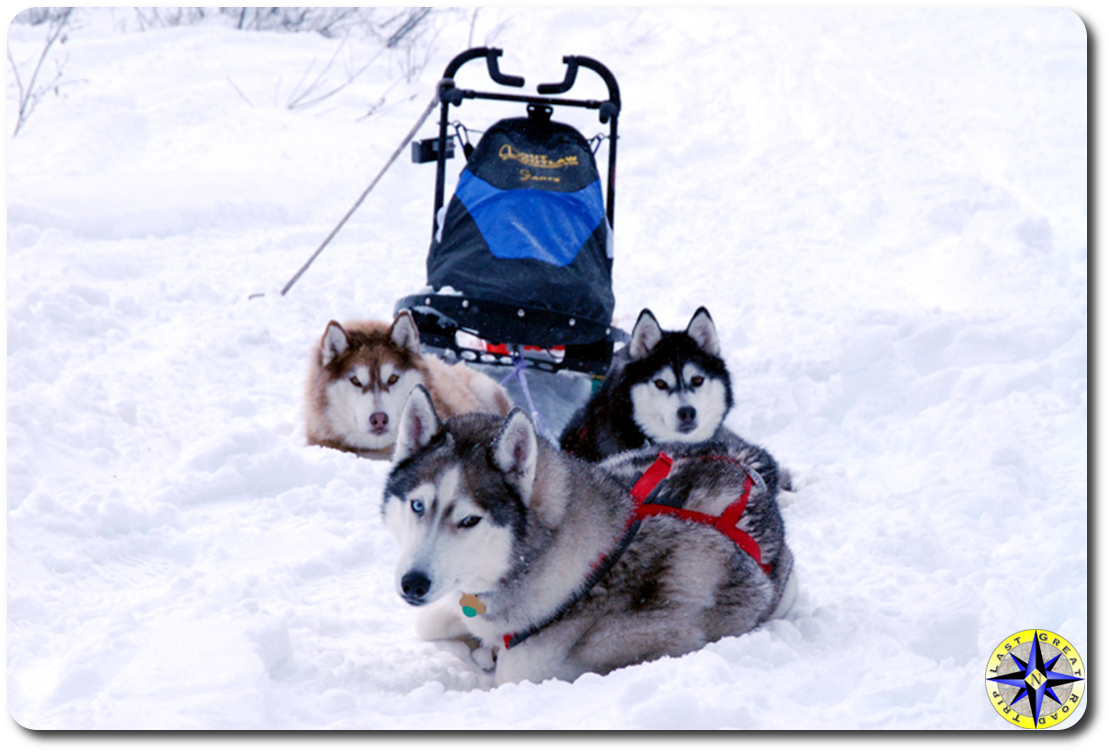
{"x": 408, "y": 137}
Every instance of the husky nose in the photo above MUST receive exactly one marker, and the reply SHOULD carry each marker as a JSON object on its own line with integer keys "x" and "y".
{"x": 415, "y": 586}
{"x": 687, "y": 413}
{"x": 379, "y": 421}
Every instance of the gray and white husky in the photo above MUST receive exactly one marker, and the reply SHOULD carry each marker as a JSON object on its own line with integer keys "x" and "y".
{"x": 541, "y": 557}
{"x": 665, "y": 386}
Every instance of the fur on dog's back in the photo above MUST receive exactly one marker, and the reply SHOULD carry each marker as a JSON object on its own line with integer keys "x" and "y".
{"x": 372, "y": 345}
{"x": 457, "y": 389}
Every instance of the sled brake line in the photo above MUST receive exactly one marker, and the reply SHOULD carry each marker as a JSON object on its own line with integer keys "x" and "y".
{"x": 408, "y": 137}
{"x": 519, "y": 366}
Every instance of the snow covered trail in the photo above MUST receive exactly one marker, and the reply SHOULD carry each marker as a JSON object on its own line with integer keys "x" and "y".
{"x": 883, "y": 209}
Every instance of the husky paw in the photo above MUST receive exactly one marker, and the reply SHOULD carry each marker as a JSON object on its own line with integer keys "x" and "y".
{"x": 483, "y": 657}
{"x": 789, "y": 596}
{"x": 786, "y": 481}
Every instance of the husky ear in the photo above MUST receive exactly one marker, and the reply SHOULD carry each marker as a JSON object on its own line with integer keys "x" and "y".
{"x": 419, "y": 423}
{"x": 515, "y": 451}
{"x": 703, "y": 332}
{"x": 404, "y": 332}
{"x": 645, "y": 335}
{"x": 334, "y": 344}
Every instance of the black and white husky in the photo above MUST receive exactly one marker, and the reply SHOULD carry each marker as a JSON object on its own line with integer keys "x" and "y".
{"x": 557, "y": 566}
{"x": 665, "y": 386}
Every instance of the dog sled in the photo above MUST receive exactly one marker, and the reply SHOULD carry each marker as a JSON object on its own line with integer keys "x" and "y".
{"x": 519, "y": 271}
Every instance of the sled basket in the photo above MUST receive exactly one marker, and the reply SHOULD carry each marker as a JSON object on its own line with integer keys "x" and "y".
{"x": 521, "y": 259}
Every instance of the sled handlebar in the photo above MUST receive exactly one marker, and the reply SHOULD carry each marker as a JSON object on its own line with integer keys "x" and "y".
{"x": 608, "y": 109}
{"x": 490, "y": 54}
{"x": 568, "y": 80}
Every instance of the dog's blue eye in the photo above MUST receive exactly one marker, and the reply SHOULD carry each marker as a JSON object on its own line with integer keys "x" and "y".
{"x": 469, "y": 521}
{"x": 417, "y": 506}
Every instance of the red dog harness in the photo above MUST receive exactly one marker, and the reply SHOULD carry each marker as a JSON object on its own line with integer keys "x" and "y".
{"x": 725, "y": 523}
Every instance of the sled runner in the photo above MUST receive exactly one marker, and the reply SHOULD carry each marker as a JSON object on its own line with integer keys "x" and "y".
{"x": 520, "y": 263}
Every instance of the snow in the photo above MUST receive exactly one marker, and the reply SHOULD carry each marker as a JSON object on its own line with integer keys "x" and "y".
{"x": 884, "y": 209}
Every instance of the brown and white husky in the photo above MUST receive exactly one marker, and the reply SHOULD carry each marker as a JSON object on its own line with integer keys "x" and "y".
{"x": 360, "y": 374}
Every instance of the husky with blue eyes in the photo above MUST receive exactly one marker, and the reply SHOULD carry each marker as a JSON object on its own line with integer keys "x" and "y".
{"x": 559, "y": 566}
{"x": 360, "y": 374}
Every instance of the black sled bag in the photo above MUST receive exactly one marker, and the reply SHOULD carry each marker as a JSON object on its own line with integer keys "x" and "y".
{"x": 526, "y": 224}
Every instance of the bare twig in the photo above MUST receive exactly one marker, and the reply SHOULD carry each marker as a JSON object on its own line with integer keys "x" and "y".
{"x": 15, "y": 72}
{"x": 473, "y": 20}
{"x": 413, "y": 66}
{"x": 327, "y": 27}
{"x": 377, "y": 108}
{"x": 411, "y": 23}
{"x": 297, "y": 88}
{"x": 236, "y": 88}
{"x": 302, "y": 99}
{"x": 30, "y": 95}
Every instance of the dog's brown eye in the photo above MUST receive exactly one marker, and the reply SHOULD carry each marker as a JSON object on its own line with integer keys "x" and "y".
{"x": 469, "y": 521}
{"x": 660, "y": 384}
{"x": 697, "y": 381}
{"x": 392, "y": 380}
{"x": 355, "y": 382}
